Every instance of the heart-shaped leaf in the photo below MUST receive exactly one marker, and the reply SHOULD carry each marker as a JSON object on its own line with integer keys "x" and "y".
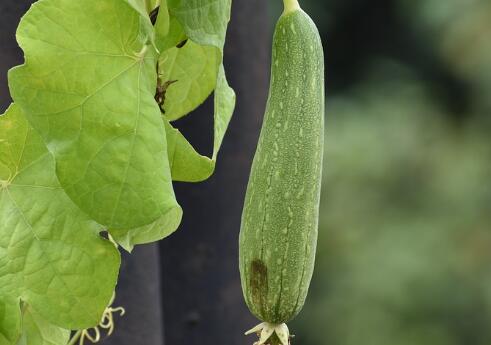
{"x": 88, "y": 88}
{"x": 52, "y": 257}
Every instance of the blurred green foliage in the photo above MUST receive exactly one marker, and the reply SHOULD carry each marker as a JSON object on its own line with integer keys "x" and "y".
{"x": 404, "y": 252}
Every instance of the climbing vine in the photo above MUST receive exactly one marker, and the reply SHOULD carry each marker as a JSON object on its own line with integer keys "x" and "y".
{"x": 88, "y": 151}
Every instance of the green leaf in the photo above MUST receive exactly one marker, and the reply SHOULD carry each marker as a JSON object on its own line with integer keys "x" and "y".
{"x": 10, "y": 318}
{"x": 174, "y": 36}
{"x": 162, "y": 25}
{"x": 37, "y": 331}
{"x": 51, "y": 254}
{"x": 151, "y": 4}
{"x": 88, "y": 88}
{"x": 156, "y": 231}
{"x": 187, "y": 165}
{"x": 205, "y": 23}
{"x": 224, "y": 108}
{"x": 143, "y": 7}
{"x": 4, "y": 172}
{"x": 193, "y": 71}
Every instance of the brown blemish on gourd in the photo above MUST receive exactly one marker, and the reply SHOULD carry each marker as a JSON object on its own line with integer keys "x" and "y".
{"x": 259, "y": 283}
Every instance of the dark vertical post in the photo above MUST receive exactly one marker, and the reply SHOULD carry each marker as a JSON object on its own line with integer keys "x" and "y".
{"x": 139, "y": 292}
{"x": 202, "y": 297}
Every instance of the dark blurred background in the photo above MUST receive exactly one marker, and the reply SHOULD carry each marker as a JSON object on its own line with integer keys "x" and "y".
{"x": 404, "y": 252}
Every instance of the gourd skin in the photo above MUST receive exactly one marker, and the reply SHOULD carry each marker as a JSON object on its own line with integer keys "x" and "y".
{"x": 278, "y": 233}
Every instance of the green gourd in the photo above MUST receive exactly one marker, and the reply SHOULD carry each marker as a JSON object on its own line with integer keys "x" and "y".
{"x": 280, "y": 218}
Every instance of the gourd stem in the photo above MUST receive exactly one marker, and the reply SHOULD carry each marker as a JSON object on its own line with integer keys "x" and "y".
{"x": 290, "y": 6}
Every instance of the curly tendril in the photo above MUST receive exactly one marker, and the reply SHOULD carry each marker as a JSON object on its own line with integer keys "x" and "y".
{"x": 94, "y": 334}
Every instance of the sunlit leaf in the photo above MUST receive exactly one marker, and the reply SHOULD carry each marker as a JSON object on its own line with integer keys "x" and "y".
{"x": 192, "y": 69}
{"x": 143, "y": 7}
{"x": 162, "y": 25}
{"x": 205, "y": 24}
{"x": 174, "y": 36}
{"x": 224, "y": 108}
{"x": 88, "y": 88}
{"x": 10, "y": 317}
{"x": 52, "y": 256}
{"x": 182, "y": 156}
{"x": 161, "y": 228}
{"x": 204, "y": 21}
{"x": 37, "y": 331}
